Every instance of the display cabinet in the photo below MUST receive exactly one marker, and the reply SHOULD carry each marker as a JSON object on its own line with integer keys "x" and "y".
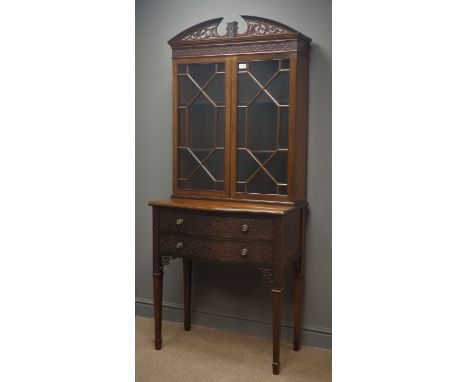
{"x": 239, "y": 159}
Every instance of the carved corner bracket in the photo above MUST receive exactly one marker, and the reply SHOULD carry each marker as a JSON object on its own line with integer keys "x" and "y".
{"x": 164, "y": 260}
{"x": 268, "y": 274}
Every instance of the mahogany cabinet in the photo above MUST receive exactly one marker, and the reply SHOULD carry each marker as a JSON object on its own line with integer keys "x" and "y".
{"x": 239, "y": 159}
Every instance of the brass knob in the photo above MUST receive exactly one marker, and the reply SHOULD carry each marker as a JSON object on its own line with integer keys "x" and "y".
{"x": 244, "y": 227}
{"x": 244, "y": 251}
{"x": 179, "y": 221}
{"x": 179, "y": 245}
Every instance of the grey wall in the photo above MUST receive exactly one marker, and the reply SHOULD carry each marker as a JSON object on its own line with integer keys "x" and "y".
{"x": 235, "y": 299}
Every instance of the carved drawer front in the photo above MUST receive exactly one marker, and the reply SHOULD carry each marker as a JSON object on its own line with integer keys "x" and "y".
{"x": 233, "y": 251}
{"x": 224, "y": 225}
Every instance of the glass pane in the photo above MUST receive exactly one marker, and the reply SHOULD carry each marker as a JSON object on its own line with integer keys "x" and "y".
{"x": 279, "y": 88}
{"x": 283, "y": 129}
{"x": 221, "y": 122}
{"x": 278, "y": 167}
{"x": 262, "y": 156}
{"x": 187, "y": 163}
{"x": 241, "y": 127}
{"x": 187, "y": 90}
{"x": 246, "y": 165}
{"x": 201, "y": 73}
{"x": 261, "y": 124}
{"x": 202, "y": 122}
{"x": 262, "y": 127}
{"x": 201, "y": 126}
{"x": 263, "y": 71}
{"x": 215, "y": 164}
{"x": 261, "y": 183}
{"x": 215, "y": 89}
{"x": 201, "y": 180}
{"x": 201, "y": 154}
{"x": 182, "y": 130}
{"x": 247, "y": 89}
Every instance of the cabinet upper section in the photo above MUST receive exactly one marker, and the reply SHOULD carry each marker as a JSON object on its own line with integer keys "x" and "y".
{"x": 262, "y": 35}
{"x": 240, "y": 107}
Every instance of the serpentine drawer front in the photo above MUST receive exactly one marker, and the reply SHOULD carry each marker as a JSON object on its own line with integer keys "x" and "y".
{"x": 231, "y": 251}
{"x": 222, "y": 225}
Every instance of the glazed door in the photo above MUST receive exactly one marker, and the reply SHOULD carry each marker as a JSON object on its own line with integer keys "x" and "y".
{"x": 200, "y": 157}
{"x": 262, "y": 119}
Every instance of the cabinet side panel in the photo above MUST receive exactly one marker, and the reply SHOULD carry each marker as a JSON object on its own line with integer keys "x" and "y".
{"x": 302, "y": 110}
{"x": 292, "y": 235}
{"x": 175, "y": 130}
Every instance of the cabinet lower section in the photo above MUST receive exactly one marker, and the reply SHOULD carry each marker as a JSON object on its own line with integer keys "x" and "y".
{"x": 230, "y": 233}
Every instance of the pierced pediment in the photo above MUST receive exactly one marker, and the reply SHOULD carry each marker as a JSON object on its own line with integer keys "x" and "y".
{"x": 257, "y": 27}
{"x": 205, "y": 30}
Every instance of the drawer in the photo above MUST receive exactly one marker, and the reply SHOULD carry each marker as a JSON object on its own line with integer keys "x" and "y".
{"x": 224, "y": 225}
{"x": 232, "y": 251}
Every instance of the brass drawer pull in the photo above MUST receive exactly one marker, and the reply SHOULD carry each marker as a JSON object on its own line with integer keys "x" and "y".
{"x": 244, "y": 227}
{"x": 179, "y": 221}
{"x": 244, "y": 251}
{"x": 179, "y": 245}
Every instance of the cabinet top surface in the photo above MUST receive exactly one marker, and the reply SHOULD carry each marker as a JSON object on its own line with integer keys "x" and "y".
{"x": 224, "y": 206}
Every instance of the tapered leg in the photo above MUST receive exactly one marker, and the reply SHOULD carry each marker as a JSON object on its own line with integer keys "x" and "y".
{"x": 157, "y": 297}
{"x": 299, "y": 284}
{"x": 187, "y": 292}
{"x": 298, "y": 288}
{"x": 277, "y": 307}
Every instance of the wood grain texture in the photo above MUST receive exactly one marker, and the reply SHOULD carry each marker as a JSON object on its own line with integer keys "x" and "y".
{"x": 157, "y": 266}
{"x": 301, "y": 128}
{"x": 224, "y": 206}
{"x": 299, "y": 283}
{"x": 277, "y": 307}
{"x": 292, "y": 235}
{"x": 187, "y": 293}
{"x": 157, "y": 298}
